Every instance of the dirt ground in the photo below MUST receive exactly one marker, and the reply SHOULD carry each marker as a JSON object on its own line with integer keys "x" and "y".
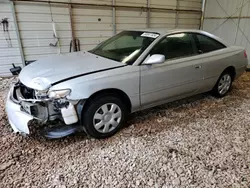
{"x": 197, "y": 142}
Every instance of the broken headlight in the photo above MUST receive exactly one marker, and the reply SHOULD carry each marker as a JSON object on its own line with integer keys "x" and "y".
{"x": 56, "y": 94}
{"x": 41, "y": 94}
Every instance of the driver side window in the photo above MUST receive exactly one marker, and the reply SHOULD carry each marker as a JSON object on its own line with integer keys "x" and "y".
{"x": 175, "y": 46}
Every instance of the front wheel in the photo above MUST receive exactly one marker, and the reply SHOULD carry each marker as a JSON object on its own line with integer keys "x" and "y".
{"x": 104, "y": 116}
{"x": 223, "y": 85}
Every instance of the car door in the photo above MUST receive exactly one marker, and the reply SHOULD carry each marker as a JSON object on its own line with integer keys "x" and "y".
{"x": 214, "y": 58}
{"x": 180, "y": 75}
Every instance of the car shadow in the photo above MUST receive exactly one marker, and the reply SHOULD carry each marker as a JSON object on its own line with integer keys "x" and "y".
{"x": 188, "y": 110}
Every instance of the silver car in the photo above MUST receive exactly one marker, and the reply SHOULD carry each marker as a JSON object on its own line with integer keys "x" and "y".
{"x": 131, "y": 71}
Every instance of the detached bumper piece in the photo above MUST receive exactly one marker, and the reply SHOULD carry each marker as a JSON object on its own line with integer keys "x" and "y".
{"x": 61, "y": 131}
{"x": 21, "y": 110}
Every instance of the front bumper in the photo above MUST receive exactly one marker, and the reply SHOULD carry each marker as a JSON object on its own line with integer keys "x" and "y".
{"x": 21, "y": 111}
{"x": 18, "y": 119}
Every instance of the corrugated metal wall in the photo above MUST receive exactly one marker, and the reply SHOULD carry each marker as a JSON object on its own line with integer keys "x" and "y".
{"x": 127, "y": 18}
{"x": 36, "y": 29}
{"x": 90, "y": 24}
{"x": 130, "y": 18}
{"x": 222, "y": 18}
{"x": 173, "y": 19}
{"x": 8, "y": 54}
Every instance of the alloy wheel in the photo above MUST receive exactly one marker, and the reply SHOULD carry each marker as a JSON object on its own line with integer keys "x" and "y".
{"x": 224, "y": 84}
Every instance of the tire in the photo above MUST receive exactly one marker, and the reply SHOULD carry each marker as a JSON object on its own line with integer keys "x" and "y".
{"x": 103, "y": 116}
{"x": 223, "y": 85}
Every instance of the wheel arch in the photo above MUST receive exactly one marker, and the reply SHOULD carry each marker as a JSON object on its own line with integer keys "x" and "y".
{"x": 232, "y": 70}
{"x": 111, "y": 91}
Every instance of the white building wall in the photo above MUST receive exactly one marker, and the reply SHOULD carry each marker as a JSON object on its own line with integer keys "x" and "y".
{"x": 222, "y": 18}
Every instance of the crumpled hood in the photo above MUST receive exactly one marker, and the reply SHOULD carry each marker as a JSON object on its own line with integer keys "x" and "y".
{"x": 41, "y": 74}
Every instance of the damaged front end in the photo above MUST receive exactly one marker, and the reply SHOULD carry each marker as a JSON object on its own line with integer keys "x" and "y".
{"x": 25, "y": 104}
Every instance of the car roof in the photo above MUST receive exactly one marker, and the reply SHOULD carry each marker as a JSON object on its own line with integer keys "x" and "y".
{"x": 163, "y": 31}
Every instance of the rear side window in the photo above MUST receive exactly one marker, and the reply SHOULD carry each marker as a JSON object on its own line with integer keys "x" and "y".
{"x": 174, "y": 46}
{"x": 206, "y": 44}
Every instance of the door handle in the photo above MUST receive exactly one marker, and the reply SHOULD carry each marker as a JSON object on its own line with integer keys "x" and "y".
{"x": 198, "y": 67}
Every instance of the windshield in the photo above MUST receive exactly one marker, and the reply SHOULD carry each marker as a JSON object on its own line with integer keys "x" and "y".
{"x": 125, "y": 47}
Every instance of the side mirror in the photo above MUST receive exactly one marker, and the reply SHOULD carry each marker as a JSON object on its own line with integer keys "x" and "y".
{"x": 15, "y": 70}
{"x": 155, "y": 59}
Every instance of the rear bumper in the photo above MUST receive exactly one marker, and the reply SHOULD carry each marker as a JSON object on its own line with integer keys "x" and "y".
{"x": 248, "y": 67}
{"x": 17, "y": 118}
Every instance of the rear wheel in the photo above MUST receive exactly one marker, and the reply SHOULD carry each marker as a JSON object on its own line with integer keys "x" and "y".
{"x": 223, "y": 85}
{"x": 104, "y": 116}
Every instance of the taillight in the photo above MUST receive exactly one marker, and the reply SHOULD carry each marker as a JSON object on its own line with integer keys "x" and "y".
{"x": 245, "y": 54}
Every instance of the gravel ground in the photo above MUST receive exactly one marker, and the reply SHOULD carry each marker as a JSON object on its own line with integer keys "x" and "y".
{"x": 197, "y": 142}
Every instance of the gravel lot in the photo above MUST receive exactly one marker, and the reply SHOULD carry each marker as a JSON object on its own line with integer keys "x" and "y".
{"x": 197, "y": 142}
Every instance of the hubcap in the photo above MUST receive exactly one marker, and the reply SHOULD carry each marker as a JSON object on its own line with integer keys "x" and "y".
{"x": 107, "y": 118}
{"x": 224, "y": 84}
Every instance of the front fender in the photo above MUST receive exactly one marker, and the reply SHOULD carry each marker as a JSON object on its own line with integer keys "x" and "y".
{"x": 125, "y": 79}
